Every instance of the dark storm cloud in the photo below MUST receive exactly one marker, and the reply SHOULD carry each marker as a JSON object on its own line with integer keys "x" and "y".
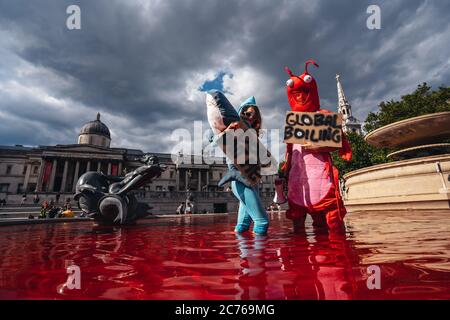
{"x": 141, "y": 63}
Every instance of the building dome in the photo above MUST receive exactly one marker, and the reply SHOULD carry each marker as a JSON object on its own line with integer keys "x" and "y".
{"x": 96, "y": 127}
{"x": 95, "y": 133}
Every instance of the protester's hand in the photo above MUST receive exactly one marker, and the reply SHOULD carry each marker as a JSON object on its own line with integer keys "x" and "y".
{"x": 310, "y": 147}
{"x": 233, "y": 126}
{"x": 307, "y": 146}
{"x": 286, "y": 167}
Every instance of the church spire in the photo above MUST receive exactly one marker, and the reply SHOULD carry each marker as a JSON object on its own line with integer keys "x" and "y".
{"x": 349, "y": 123}
{"x": 343, "y": 106}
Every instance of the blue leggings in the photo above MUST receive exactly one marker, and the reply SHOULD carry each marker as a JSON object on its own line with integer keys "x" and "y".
{"x": 250, "y": 209}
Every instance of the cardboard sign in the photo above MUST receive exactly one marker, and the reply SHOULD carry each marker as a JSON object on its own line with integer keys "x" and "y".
{"x": 318, "y": 129}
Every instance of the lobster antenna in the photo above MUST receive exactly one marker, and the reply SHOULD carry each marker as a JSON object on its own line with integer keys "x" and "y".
{"x": 308, "y": 62}
{"x": 289, "y": 72}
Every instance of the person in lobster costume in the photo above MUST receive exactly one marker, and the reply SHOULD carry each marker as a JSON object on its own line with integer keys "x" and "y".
{"x": 313, "y": 181}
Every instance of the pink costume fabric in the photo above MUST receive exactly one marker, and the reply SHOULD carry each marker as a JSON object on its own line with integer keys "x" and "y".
{"x": 308, "y": 187}
{"x": 312, "y": 179}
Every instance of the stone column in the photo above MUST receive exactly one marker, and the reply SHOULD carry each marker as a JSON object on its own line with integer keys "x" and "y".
{"x": 40, "y": 176}
{"x": 199, "y": 179}
{"x": 52, "y": 176}
{"x": 177, "y": 181}
{"x": 109, "y": 168}
{"x": 120, "y": 169}
{"x": 99, "y": 166}
{"x": 88, "y": 166}
{"x": 64, "y": 178}
{"x": 75, "y": 175}
{"x": 27, "y": 177}
{"x": 186, "y": 179}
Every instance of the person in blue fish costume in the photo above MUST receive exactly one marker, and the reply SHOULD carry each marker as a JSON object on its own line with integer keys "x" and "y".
{"x": 250, "y": 205}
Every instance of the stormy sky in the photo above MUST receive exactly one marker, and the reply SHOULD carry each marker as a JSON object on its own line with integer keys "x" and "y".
{"x": 144, "y": 64}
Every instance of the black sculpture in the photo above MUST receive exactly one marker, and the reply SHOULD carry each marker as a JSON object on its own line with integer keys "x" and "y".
{"x": 107, "y": 198}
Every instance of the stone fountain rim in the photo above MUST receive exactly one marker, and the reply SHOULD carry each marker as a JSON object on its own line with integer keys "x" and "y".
{"x": 399, "y": 163}
{"x": 397, "y": 124}
{"x": 425, "y": 146}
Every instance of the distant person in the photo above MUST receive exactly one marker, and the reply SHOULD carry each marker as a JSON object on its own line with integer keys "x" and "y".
{"x": 43, "y": 212}
{"x": 67, "y": 206}
{"x": 57, "y": 197}
{"x": 50, "y": 209}
{"x": 188, "y": 209}
{"x": 66, "y": 214}
{"x": 190, "y": 200}
{"x": 278, "y": 207}
{"x": 180, "y": 209}
{"x": 53, "y": 212}
{"x": 2, "y": 202}
{"x": 189, "y": 196}
{"x": 274, "y": 207}
{"x": 36, "y": 199}
{"x": 45, "y": 204}
{"x": 68, "y": 203}
{"x": 24, "y": 199}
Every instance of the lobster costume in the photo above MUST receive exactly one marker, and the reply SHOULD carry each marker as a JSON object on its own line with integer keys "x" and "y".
{"x": 313, "y": 181}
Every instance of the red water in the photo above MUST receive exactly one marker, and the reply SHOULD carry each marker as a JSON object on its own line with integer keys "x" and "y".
{"x": 201, "y": 258}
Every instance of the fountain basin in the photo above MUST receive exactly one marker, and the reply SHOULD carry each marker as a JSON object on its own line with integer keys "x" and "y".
{"x": 200, "y": 257}
{"x": 411, "y": 184}
{"x": 429, "y": 128}
{"x": 421, "y": 151}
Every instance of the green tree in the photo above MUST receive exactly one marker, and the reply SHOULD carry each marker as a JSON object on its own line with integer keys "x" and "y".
{"x": 364, "y": 155}
{"x": 421, "y": 101}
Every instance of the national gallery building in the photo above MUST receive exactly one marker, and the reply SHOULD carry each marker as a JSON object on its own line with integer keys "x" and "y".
{"x": 49, "y": 170}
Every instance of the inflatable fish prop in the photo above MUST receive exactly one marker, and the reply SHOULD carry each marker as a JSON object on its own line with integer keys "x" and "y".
{"x": 221, "y": 114}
